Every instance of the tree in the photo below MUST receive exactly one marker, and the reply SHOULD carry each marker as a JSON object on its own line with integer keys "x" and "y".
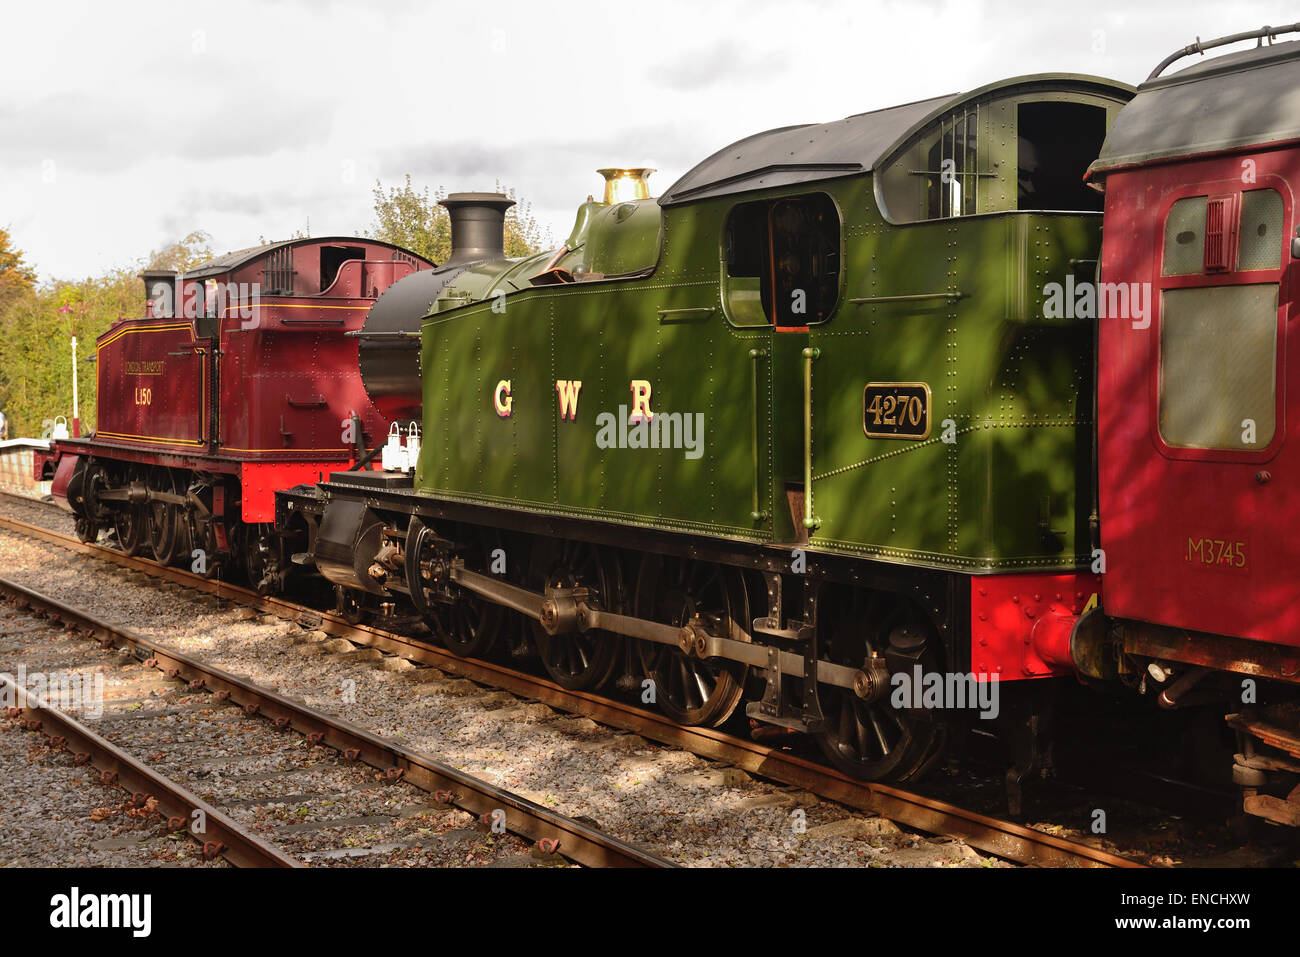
{"x": 36, "y": 328}
{"x": 413, "y": 219}
{"x": 15, "y": 276}
{"x": 38, "y": 322}
{"x": 184, "y": 254}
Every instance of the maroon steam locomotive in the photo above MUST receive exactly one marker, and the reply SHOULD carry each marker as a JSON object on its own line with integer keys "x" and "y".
{"x": 240, "y": 379}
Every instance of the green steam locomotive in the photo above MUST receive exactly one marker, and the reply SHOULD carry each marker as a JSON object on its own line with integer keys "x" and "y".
{"x": 802, "y": 429}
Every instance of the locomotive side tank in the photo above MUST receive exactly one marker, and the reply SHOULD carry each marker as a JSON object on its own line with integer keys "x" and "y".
{"x": 910, "y": 245}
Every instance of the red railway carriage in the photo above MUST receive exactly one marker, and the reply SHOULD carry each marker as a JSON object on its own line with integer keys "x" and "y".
{"x": 240, "y": 380}
{"x": 1199, "y": 478}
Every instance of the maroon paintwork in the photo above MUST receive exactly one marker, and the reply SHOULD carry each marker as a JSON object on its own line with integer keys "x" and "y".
{"x": 1165, "y": 509}
{"x": 273, "y": 406}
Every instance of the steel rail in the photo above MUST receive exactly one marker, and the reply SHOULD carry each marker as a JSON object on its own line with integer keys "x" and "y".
{"x": 571, "y": 839}
{"x": 992, "y": 835}
{"x": 221, "y": 836}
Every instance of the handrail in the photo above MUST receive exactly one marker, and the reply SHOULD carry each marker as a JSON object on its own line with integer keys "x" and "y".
{"x": 1201, "y": 46}
{"x": 327, "y": 321}
{"x": 686, "y": 314}
{"x": 755, "y": 355}
{"x": 951, "y": 295}
{"x": 810, "y": 521}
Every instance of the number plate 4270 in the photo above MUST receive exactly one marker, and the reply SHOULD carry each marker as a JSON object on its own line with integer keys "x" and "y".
{"x": 896, "y": 410}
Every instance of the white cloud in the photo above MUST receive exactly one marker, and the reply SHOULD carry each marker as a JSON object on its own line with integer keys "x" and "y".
{"x": 122, "y": 128}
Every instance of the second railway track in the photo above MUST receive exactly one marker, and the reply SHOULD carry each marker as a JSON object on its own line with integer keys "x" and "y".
{"x": 268, "y": 729}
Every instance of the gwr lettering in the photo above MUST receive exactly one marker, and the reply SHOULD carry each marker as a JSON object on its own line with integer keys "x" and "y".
{"x": 568, "y": 391}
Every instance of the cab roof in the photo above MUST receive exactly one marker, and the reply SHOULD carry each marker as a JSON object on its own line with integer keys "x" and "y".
{"x": 239, "y": 257}
{"x": 855, "y": 144}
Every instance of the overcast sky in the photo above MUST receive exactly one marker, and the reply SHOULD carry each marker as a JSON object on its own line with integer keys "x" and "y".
{"x": 124, "y": 126}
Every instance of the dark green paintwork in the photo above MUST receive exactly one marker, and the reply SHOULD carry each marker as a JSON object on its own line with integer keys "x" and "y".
{"x": 1009, "y": 493}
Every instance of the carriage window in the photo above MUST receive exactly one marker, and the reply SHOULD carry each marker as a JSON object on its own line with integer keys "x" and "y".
{"x": 1185, "y": 237}
{"x": 1218, "y": 359}
{"x": 782, "y": 261}
{"x": 1261, "y": 230}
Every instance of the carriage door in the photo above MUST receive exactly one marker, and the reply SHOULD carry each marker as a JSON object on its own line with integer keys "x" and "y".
{"x": 782, "y": 276}
{"x": 1219, "y": 541}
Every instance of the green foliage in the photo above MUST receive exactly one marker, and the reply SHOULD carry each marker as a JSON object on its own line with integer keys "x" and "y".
{"x": 184, "y": 254}
{"x": 37, "y": 324}
{"x": 413, "y": 219}
{"x": 15, "y": 276}
{"x": 36, "y": 330}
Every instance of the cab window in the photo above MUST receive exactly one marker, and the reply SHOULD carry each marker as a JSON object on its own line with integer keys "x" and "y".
{"x": 1055, "y": 142}
{"x": 999, "y": 155}
{"x": 952, "y": 180}
{"x": 782, "y": 261}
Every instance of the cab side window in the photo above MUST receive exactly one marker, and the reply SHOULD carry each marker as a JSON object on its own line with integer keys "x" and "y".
{"x": 1185, "y": 237}
{"x": 952, "y": 177}
{"x": 1261, "y": 235}
{"x": 782, "y": 261}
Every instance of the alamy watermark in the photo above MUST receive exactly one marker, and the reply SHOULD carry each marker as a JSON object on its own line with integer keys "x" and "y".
{"x": 1106, "y": 300}
{"x": 657, "y": 430}
{"x": 127, "y": 911}
{"x": 66, "y": 691}
{"x": 210, "y": 299}
{"x": 951, "y": 690}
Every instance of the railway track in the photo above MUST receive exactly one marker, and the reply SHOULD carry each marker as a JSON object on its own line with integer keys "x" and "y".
{"x": 496, "y": 807}
{"x": 151, "y": 792}
{"x": 992, "y": 835}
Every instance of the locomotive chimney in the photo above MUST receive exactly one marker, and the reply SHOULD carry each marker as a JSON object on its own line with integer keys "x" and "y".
{"x": 159, "y": 293}
{"x": 478, "y": 226}
{"x": 388, "y": 353}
